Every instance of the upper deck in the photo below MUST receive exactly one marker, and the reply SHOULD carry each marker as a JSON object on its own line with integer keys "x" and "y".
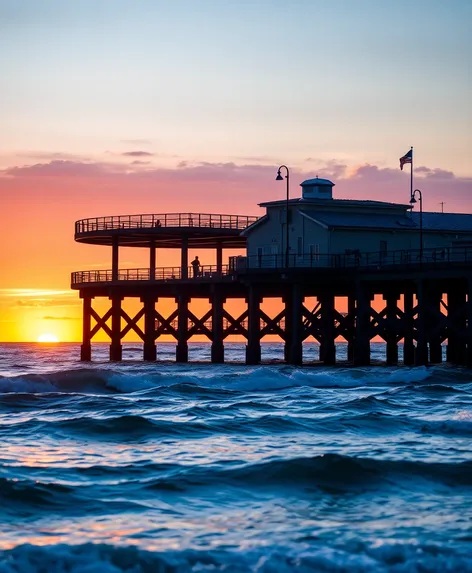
{"x": 166, "y": 230}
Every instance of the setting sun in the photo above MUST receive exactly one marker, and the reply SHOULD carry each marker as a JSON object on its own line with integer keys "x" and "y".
{"x": 48, "y": 338}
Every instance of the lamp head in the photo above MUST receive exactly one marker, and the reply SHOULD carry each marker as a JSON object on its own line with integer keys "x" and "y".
{"x": 412, "y": 200}
{"x": 279, "y": 176}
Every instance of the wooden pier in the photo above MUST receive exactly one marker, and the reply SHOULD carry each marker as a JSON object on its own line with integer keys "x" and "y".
{"x": 427, "y": 296}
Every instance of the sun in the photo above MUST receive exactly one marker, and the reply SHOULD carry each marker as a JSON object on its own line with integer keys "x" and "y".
{"x": 47, "y": 338}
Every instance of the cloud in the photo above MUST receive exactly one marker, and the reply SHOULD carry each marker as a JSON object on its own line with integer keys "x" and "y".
{"x": 137, "y": 154}
{"x": 137, "y": 162}
{"x": 60, "y": 318}
{"x": 33, "y": 292}
{"x": 62, "y": 168}
{"x": 224, "y": 186}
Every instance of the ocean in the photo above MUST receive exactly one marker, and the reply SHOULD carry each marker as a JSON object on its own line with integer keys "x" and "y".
{"x": 160, "y": 467}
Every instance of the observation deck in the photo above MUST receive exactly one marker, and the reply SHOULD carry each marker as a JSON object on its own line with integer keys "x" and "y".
{"x": 166, "y": 230}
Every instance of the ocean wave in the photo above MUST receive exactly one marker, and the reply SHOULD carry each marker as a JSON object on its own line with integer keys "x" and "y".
{"x": 330, "y": 472}
{"x": 26, "y": 497}
{"x": 445, "y": 427}
{"x": 130, "y": 426}
{"x": 356, "y": 557}
{"x": 259, "y": 379}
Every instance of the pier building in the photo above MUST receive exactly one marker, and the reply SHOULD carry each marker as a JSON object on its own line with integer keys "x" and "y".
{"x": 338, "y": 250}
{"x": 322, "y": 225}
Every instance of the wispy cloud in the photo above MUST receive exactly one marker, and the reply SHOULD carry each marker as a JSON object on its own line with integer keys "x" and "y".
{"x": 32, "y": 292}
{"x": 244, "y": 185}
{"x": 137, "y": 154}
{"x": 36, "y": 298}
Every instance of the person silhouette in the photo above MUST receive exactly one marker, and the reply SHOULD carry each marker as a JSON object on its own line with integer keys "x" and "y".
{"x": 196, "y": 267}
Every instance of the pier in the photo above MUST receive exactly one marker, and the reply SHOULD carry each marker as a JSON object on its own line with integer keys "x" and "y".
{"x": 426, "y": 296}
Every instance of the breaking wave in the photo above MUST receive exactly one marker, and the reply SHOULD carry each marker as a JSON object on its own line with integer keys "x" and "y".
{"x": 258, "y": 379}
{"x": 356, "y": 557}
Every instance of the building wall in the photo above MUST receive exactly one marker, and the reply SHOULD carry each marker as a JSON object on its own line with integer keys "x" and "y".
{"x": 370, "y": 240}
{"x": 269, "y": 237}
{"x": 309, "y": 238}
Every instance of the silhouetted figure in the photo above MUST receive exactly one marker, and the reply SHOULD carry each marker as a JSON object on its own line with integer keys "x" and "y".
{"x": 158, "y": 223}
{"x": 196, "y": 267}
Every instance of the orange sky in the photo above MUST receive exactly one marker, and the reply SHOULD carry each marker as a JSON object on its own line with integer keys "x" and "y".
{"x": 42, "y": 200}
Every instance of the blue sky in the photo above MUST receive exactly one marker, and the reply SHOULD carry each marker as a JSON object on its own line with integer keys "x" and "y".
{"x": 357, "y": 81}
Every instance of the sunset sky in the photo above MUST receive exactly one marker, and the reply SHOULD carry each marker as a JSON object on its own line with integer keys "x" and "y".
{"x": 116, "y": 107}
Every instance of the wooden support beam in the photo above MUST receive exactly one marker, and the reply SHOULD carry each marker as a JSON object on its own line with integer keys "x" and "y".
{"x": 101, "y": 323}
{"x": 408, "y": 325}
{"x": 351, "y": 313}
{"x": 149, "y": 346}
{"x": 327, "y": 346}
{"x": 166, "y": 325}
{"x": 362, "y": 328}
{"x": 421, "y": 353}
{"x": 86, "y": 347}
{"x": 184, "y": 258}
{"x": 217, "y": 347}
{"x": 114, "y": 258}
{"x": 132, "y": 323}
{"x": 295, "y": 319}
{"x": 116, "y": 350}
{"x": 390, "y": 327}
{"x": 181, "y": 351}
{"x": 253, "y": 348}
{"x": 434, "y": 322}
{"x": 456, "y": 350}
{"x": 219, "y": 257}
{"x": 235, "y": 325}
{"x": 152, "y": 260}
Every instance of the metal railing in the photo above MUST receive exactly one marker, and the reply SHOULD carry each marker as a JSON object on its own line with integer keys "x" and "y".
{"x": 355, "y": 259}
{"x": 166, "y": 220}
{"x": 206, "y": 272}
{"x": 237, "y": 265}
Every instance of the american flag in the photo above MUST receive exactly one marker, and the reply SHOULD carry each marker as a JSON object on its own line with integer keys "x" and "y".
{"x": 407, "y": 158}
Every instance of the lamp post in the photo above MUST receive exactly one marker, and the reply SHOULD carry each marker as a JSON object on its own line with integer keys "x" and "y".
{"x": 412, "y": 202}
{"x": 280, "y": 178}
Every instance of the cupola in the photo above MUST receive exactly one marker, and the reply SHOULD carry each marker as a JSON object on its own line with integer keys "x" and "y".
{"x": 317, "y": 188}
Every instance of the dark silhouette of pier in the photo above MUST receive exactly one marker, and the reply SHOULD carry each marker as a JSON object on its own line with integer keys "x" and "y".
{"x": 427, "y": 295}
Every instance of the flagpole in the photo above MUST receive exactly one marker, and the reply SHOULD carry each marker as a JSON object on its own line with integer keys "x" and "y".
{"x": 411, "y": 174}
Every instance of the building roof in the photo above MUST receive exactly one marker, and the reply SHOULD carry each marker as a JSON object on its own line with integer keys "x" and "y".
{"x": 447, "y": 222}
{"x": 331, "y": 220}
{"x": 332, "y": 203}
{"x": 317, "y": 181}
{"x": 439, "y": 222}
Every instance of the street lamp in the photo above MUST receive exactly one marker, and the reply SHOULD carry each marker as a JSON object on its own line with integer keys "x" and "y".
{"x": 280, "y": 178}
{"x": 412, "y": 202}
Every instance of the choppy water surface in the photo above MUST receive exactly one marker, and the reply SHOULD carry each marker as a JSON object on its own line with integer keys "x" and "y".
{"x": 164, "y": 467}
